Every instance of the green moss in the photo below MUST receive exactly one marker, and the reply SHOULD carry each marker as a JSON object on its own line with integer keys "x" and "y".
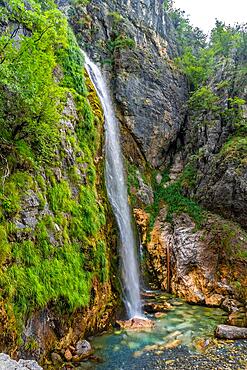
{"x": 100, "y": 257}
{"x": 235, "y": 149}
{"x": 71, "y": 61}
{"x": 33, "y": 281}
{"x": 116, "y": 17}
{"x": 55, "y": 262}
{"x": 172, "y": 196}
{"x": 5, "y": 246}
{"x": 120, "y": 42}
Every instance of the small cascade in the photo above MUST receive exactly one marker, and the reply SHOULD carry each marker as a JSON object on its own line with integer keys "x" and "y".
{"x": 117, "y": 193}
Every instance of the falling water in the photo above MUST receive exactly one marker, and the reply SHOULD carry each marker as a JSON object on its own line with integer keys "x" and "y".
{"x": 117, "y": 193}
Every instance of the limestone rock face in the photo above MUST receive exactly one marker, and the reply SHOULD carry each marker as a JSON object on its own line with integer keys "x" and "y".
{"x": 149, "y": 91}
{"x": 203, "y": 269}
{"x": 219, "y": 156}
{"x": 222, "y": 187}
{"x": 7, "y": 364}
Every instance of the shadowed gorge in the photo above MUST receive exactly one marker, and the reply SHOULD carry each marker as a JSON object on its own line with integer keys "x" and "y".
{"x": 123, "y": 187}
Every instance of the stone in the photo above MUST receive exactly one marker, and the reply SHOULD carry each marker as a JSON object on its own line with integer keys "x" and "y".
{"x": 68, "y": 355}
{"x": 214, "y": 300}
{"x": 6, "y": 363}
{"x": 149, "y": 93}
{"x": 152, "y": 307}
{"x": 231, "y": 332}
{"x": 56, "y": 358}
{"x": 158, "y": 178}
{"x": 238, "y": 318}
{"x": 29, "y": 364}
{"x": 173, "y": 344}
{"x": 83, "y": 347}
{"x": 159, "y": 315}
{"x": 136, "y": 324}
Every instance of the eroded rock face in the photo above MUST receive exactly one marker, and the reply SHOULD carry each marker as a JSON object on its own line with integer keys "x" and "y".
{"x": 149, "y": 92}
{"x": 222, "y": 187}
{"x": 205, "y": 265}
{"x": 214, "y": 142}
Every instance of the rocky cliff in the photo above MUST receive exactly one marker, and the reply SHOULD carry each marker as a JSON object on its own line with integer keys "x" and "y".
{"x": 183, "y": 136}
{"x": 134, "y": 41}
{"x": 184, "y": 141}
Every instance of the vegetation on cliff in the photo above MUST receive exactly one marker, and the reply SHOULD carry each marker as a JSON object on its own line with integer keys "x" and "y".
{"x": 52, "y": 205}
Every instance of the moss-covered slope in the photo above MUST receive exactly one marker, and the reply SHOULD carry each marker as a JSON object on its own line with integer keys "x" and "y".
{"x": 54, "y": 246}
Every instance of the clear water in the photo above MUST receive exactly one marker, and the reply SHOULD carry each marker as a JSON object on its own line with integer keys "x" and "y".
{"x": 121, "y": 349}
{"x": 117, "y": 193}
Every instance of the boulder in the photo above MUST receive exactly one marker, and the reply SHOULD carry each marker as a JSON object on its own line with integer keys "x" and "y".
{"x": 230, "y": 332}
{"x": 83, "y": 348}
{"x": 135, "y": 324}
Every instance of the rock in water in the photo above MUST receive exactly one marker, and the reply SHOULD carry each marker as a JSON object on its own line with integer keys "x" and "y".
{"x": 6, "y": 363}
{"x": 136, "y": 324}
{"x": 231, "y": 332}
{"x": 83, "y": 348}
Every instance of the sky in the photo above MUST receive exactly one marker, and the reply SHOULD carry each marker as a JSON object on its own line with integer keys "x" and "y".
{"x": 203, "y": 12}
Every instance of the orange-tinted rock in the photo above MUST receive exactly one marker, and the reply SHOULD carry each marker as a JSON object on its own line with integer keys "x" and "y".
{"x": 214, "y": 300}
{"x": 159, "y": 315}
{"x": 135, "y": 324}
{"x": 68, "y": 355}
{"x": 175, "y": 343}
{"x": 152, "y": 307}
{"x": 238, "y": 319}
{"x": 199, "y": 271}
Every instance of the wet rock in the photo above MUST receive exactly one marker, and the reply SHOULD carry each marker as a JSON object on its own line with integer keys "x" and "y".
{"x": 173, "y": 344}
{"x": 214, "y": 300}
{"x": 68, "y": 355}
{"x": 145, "y": 192}
{"x": 83, "y": 348}
{"x": 56, "y": 358}
{"x": 152, "y": 307}
{"x": 231, "y": 332}
{"x": 136, "y": 324}
{"x": 149, "y": 92}
{"x": 231, "y": 305}
{"x": 238, "y": 318}
{"x": 159, "y": 315}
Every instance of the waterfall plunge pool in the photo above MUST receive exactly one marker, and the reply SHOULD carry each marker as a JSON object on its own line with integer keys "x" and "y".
{"x": 182, "y": 329}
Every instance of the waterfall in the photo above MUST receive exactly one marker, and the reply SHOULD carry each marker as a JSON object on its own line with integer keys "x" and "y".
{"x": 117, "y": 193}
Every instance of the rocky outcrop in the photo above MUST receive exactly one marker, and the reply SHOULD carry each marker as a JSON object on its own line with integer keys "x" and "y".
{"x": 134, "y": 40}
{"x": 204, "y": 266}
{"x": 7, "y": 364}
{"x": 222, "y": 187}
{"x": 213, "y": 138}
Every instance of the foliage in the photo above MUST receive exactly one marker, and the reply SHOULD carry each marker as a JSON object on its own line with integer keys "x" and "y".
{"x": 27, "y": 60}
{"x": 203, "y": 99}
{"x": 56, "y": 260}
{"x": 186, "y": 35}
{"x": 171, "y": 194}
{"x": 120, "y": 42}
